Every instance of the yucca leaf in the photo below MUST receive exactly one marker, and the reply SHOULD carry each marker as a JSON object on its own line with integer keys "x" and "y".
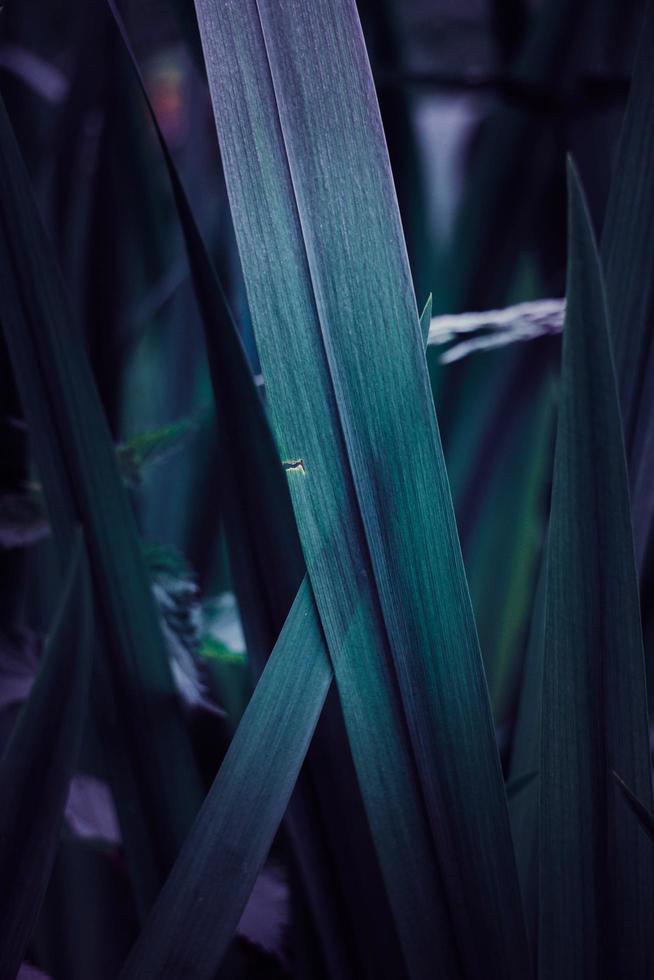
{"x": 596, "y": 868}
{"x": 38, "y": 763}
{"x": 146, "y": 746}
{"x": 195, "y": 916}
{"x": 267, "y": 566}
{"x": 627, "y": 250}
{"x": 340, "y": 345}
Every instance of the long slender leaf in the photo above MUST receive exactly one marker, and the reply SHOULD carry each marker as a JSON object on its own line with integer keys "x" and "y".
{"x": 627, "y": 250}
{"x": 625, "y": 253}
{"x": 147, "y": 748}
{"x": 267, "y": 566}
{"x": 337, "y": 328}
{"x": 195, "y": 916}
{"x": 78, "y": 937}
{"x": 525, "y": 757}
{"x": 509, "y": 522}
{"x": 596, "y": 869}
{"x": 38, "y": 763}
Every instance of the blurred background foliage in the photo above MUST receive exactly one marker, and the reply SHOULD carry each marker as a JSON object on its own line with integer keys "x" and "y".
{"x": 480, "y": 101}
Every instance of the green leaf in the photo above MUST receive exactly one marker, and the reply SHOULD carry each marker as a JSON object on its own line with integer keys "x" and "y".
{"x": 38, "y": 763}
{"x": 503, "y": 508}
{"x": 596, "y": 868}
{"x": 267, "y": 566}
{"x": 627, "y": 250}
{"x": 147, "y": 748}
{"x": 343, "y": 359}
{"x": 525, "y": 756}
{"x": 154, "y": 446}
{"x": 194, "y": 918}
{"x": 86, "y": 926}
{"x": 249, "y": 463}
{"x": 178, "y": 602}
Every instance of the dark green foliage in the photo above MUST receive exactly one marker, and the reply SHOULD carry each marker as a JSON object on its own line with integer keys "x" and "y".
{"x": 151, "y": 447}
{"x": 193, "y": 920}
{"x": 267, "y": 567}
{"x": 38, "y": 762}
{"x": 357, "y": 443}
{"x": 596, "y": 868}
{"x": 147, "y": 749}
{"x": 441, "y": 809}
{"x": 627, "y": 251}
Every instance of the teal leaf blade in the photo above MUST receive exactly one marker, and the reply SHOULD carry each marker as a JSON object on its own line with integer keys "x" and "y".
{"x": 38, "y": 763}
{"x": 267, "y": 566}
{"x": 526, "y": 754}
{"x": 148, "y": 750}
{"x": 332, "y": 305}
{"x": 244, "y": 438}
{"x": 627, "y": 251}
{"x": 596, "y": 869}
{"x": 194, "y": 918}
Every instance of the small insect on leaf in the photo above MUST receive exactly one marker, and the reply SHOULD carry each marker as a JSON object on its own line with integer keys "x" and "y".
{"x": 294, "y": 465}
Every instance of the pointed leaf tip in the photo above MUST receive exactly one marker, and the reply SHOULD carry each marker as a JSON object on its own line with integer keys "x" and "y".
{"x": 645, "y": 815}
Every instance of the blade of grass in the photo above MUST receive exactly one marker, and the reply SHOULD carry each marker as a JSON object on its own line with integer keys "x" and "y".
{"x": 337, "y": 328}
{"x": 525, "y": 757}
{"x": 509, "y": 522}
{"x": 75, "y": 936}
{"x": 267, "y": 567}
{"x": 627, "y": 250}
{"x": 194, "y": 918}
{"x": 626, "y": 255}
{"x": 595, "y": 894}
{"x": 146, "y": 745}
{"x": 38, "y": 763}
